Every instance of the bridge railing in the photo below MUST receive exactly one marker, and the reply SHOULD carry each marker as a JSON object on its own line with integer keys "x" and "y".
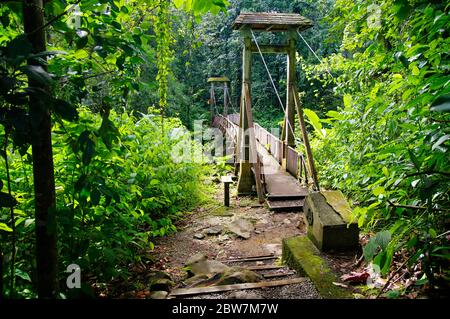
{"x": 295, "y": 160}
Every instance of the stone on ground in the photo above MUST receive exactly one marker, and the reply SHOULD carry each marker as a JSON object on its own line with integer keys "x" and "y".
{"x": 161, "y": 284}
{"x": 196, "y": 258}
{"x": 199, "y": 236}
{"x": 206, "y": 267}
{"x": 213, "y": 231}
{"x": 159, "y": 294}
{"x": 241, "y": 227}
{"x": 239, "y": 276}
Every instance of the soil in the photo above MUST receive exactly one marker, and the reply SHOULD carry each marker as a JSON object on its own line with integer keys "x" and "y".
{"x": 266, "y": 238}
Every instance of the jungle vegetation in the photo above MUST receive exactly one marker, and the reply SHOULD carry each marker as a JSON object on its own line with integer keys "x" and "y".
{"x": 90, "y": 91}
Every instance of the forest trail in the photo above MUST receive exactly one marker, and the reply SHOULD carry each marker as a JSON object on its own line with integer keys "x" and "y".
{"x": 222, "y": 244}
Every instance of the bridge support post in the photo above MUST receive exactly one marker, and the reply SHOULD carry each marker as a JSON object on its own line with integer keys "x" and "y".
{"x": 246, "y": 181}
{"x": 289, "y": 117}
{"x": 211, "y": 101}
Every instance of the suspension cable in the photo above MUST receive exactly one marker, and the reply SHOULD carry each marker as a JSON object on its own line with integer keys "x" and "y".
{"x": 309, "y": 47}
{"x": 273, "y": 83}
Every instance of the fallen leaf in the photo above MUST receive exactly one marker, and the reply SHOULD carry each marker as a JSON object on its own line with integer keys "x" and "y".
{"x": 355, "y": 277}
{"x": 340, "y": 284}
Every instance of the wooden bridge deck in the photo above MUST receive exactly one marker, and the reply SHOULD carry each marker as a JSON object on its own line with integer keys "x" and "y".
{"x": 284, "y": 192}
{"x": 278, "y": 181}
{"x": 283, "y": 189}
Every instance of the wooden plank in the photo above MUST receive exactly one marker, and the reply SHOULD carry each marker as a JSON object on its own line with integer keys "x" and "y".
{"x": 305, "y": 138}
{"x": 264, "y": 267}
{"x": 249, "y": 259}
{"x": 278, "y": 275}
{"x": 253, "y": 150}
{"x": 286, "y": 205}
{"x": 213, "y": 289}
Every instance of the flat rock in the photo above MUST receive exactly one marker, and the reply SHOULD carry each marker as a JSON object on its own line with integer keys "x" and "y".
{"x": 239, "y": 276}
{"x": 195, "y": 280}
{"x": 241, "y": 227}
{"x": 160, "y": 294}
{"x": 207, "y": 267}
{"x": 161, "y": 284}
{"x": 275, "y": 249}
{"x": 199, "y": 236}
{"x": 213, "y": 231}
{"x": 196, "y": 258}
{"x": 154, "y": 275}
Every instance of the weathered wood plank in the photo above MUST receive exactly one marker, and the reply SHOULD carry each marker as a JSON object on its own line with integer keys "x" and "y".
{"x": 212, "y": 289}
{"x": 263, "y": 267}
{"x": 249, "y": 259}
{"x": 267, "y": 276}
{"x": 265, "y": 21}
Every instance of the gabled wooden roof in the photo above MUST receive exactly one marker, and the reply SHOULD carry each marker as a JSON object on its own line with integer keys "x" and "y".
{"x": 268, "y": 21}
{"x": 219, "y": 79}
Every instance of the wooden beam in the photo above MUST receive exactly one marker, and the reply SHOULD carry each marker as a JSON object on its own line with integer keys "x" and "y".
{"x": 213, "y": 289}
{"x": 264, "y": 267}
{"x": 253, "y": 153}
{"x": 250, "y": 259}
{"x": 270, "y": 48}
{"x": 312, "y": 168}
{"x": 245, "y": 182}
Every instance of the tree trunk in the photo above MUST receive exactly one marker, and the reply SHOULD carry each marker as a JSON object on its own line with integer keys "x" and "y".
{"x": 44, "y": 183}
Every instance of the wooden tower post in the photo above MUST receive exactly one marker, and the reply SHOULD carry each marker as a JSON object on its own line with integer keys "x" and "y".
{"x": 246, "y": 142}
{"x": 289, "y": 118}
{"x": 246, "y": 181}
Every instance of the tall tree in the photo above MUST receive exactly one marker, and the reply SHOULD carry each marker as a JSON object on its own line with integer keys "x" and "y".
{"x": 43, "y": 172}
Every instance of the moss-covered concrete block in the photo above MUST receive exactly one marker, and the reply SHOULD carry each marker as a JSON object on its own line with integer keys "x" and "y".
{"x": 329, "y": 222}
{"x": 300, "y": 254}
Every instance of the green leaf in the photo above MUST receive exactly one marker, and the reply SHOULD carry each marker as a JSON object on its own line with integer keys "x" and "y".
{"x": 178, "y": 3}
{"x": 5, "y": 227}
{"x": 82, "y": 42}
{"x": 37, "y": 73}
{"x": 88, "y": 152}
{"x": 348, "y": 101}
{"x": 369, "y": 250}
{"x": 441, "y": 140}
{"x": 441, "y": 104}
{"x": 383, "y": 238}
{"x": 313, "y": 119}
{"x": 22, "y": 274}
{"x": 108, "y": 132}
{"x": 378, "y": 190}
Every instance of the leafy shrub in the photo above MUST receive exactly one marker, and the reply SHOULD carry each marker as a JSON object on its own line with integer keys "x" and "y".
{"x": 118, "y": 186}
{"x": 387, "y": 146}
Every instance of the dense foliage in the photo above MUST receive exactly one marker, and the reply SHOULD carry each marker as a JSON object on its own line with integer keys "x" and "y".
{"x": 119, "y": 75}
{"x": 386, "y": 143}
{"x": 116, "y": 180}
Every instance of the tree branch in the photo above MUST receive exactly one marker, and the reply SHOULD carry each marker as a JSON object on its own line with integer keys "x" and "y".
{"x": 428, "y": 173}
{"x": 415, "y": 207}
{"x": 55, "y": 18}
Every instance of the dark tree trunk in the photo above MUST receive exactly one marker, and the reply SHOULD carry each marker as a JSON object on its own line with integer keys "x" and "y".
{"x": 1, "y": 273}
{"x": 44, "y": 183}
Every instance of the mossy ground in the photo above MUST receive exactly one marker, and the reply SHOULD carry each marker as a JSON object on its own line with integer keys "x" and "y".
{"x": 301, "y": 254}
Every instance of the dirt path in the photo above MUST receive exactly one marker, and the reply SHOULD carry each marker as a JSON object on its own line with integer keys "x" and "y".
{"x": 269, "y": 230}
